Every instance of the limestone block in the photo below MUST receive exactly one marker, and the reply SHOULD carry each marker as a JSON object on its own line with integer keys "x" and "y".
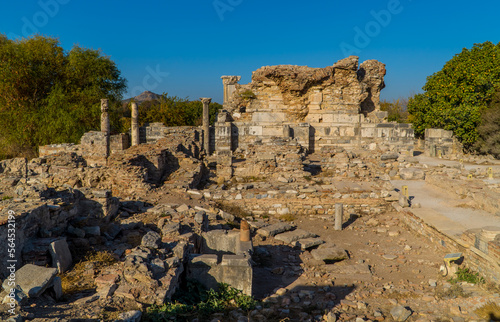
{"x": 266, "y": 117}
{"x": 272, "y": 131}
{"x": 329, "y": 252}
{"x": 306, "y": 243}
{"x": 272, "y": 230}
{"x": 291, "y": 236}
{"x": 61, "y": 256}
{"x": 33, "y": 280}
{"x": 255, "y": 130}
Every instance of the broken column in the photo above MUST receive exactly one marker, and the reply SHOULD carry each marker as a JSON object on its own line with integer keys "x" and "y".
{"x": 223, "y": 142}
{"x": 339, "y": 216}
{"x": 135, "y": 124}
{"x": 229, "y": 83}
{"x": 206, "y": 123}
{"x": 244, "y": 231}
{"x": 105, "y": 127}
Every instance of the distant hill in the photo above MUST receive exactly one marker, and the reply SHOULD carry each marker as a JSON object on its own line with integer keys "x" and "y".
{"x": 143, "y": 97}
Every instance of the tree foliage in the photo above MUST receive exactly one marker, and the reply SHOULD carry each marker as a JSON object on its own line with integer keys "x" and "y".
{"x": 48, "y": 95}
{"x": 175, "y": 111}
{"x": 397, "y": 110}
{"x": 489, "y": 129}
{"x": 455, "y": 97}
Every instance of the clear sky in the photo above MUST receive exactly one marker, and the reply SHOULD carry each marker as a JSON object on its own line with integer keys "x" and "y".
{"x": 183, "y": 47}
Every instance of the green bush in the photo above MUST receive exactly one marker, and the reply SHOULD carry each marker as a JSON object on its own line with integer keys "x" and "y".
{"x": 466, "y": 275}
{"x": 196, "y": 301}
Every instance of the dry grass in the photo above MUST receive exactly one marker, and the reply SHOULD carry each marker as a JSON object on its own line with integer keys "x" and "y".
{"x": 490, "y": 311}
{"x": 287, "y": 217}
{"x": 455, "y": 291}
{"x": 76, "y": 280}
{"x": 234, "y": 210}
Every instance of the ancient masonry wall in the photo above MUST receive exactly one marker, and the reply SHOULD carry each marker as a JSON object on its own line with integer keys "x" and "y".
{"x": 440, "y": 143}
{"x": 333, "y": 106}
{"x": 39, "y": 223}
{"x": 480, "y": 255}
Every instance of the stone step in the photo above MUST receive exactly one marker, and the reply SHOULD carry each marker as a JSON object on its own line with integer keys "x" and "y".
{"x": 306, "y": 243}
{"x": 272, "y": 230}
{"x": 290, "y": 237}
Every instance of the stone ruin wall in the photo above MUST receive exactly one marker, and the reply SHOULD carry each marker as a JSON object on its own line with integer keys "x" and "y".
{"x": 338, "y": 105}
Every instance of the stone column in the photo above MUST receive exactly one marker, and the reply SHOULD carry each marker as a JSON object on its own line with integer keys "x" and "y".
{"x": 134, "y": 131}
{"x": 105, "y": 127}
{"x": 228, "y": 82}
{"x": 206, "y": 124}
{"x": 339, "y": 216}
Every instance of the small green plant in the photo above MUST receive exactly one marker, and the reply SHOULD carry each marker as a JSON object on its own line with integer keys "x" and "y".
{"x": 7, "y": 197}
{"x": 307, "y": 178}
{"x": 247, "y": 95}
{"x": 466, "y": 275}
{"x": 196, "y": 301}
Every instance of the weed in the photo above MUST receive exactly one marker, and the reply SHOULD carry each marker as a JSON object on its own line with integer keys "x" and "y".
{"x": 7, "y": 197}
{"x": 490, "y": 311}
{"x": 196, "y": 301}
{"x": 466, "y": 275}
{"x": 287, "y": 217}
{"x": 307, "y": 178}
{"x": 247, "y": 95}
{"x": 455, "y": 291}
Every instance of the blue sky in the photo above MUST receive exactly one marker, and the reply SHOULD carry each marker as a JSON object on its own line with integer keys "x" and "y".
{"x": 183, "y": 47}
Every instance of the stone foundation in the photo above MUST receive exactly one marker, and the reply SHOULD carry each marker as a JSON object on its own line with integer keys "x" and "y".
{"x": 224, "y": 259}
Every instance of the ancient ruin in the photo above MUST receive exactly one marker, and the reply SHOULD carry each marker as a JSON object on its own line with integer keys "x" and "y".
{"x": 301, "y": 194}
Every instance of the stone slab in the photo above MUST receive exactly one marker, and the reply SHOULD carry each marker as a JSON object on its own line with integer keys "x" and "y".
{"x": 292, "y": 236}
{"x": 61, "y": 256}
{"x": 333, "y": 253}
{"x": 272, "y": 230}
{"x": 33, "y": 280}
{"x": 306, "y": 243}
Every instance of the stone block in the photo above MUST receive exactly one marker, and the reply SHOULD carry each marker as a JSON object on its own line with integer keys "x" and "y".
{"x": 329, "y": 253}
{"x": 272, "y": 230}
{"x": 267, "y": 117}
{"x": 255, "y": 130}
{"x": 306, "y": 243}
{"x": 400, "y": 313}
{"x": 61, "y": 256}
{"x": 130, "y": 316}
{"x": 33, "y": 280}
{"x": 151, "y": 240}
{"x": 290, "y": 237}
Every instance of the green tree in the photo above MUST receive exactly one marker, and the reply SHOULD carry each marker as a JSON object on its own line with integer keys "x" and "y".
{"x": 489, "y": 129}
{"x": 455, "y": 97}
{"x": 48, "y": 95}
{"x": 397, "y": 110}
{"x": 175, "y": 111}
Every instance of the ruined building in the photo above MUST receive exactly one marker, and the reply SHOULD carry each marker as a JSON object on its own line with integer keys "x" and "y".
{"x": 334, "y": 106}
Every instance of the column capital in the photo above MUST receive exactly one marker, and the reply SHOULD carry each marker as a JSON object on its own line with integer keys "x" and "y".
{"x": 230, "y": 80}
{"x": 205, "y": 100}
{"x": 104, "y": 104}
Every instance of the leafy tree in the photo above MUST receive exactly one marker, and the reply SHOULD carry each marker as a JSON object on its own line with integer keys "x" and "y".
{"x": 175, "y": 111}
{"x": 48, "y": 95}
{"x": 397, "y": 110}
{"x": 455, "y": 97}
{"x": 489, "y": 129}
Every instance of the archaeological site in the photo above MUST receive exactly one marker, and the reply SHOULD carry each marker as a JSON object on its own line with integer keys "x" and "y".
{"x": 301, "y": 198}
